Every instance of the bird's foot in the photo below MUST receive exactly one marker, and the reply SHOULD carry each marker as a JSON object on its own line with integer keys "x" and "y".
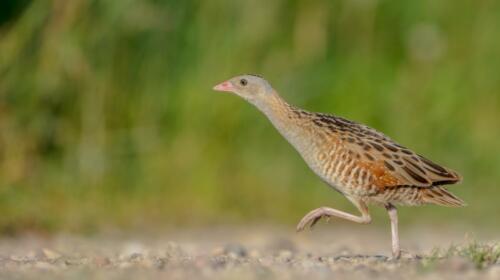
{"x": 404, "y": 254}
{"x": 313, "y": 217}
{"x": 396, "y": 255}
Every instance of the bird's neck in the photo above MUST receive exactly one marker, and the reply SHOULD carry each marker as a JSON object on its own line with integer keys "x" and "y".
{"x": 276, "y": 109}
{"x": 284, "y": 117}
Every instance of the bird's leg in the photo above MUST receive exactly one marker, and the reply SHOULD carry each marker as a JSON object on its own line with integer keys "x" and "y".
{"x": 393, "y": 215}
{"x": 315, "y": 215}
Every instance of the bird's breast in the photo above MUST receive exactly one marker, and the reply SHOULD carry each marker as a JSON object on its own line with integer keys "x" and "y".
{"x": 327, "y": 157}
{"x": 322, "y": 151}
{"x": 324, "y": 154}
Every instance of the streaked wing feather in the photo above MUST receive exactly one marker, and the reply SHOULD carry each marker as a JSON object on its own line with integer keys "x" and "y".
{"x": 395, "y": 164}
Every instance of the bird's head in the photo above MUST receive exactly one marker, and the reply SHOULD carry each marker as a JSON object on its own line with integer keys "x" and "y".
{"x": 251, "y": 87}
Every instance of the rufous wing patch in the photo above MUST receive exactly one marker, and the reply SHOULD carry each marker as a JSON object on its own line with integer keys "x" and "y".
{"x": 381, "y": 175}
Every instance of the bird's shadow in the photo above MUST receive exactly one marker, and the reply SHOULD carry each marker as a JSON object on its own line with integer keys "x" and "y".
{"x": 375, "y": 258}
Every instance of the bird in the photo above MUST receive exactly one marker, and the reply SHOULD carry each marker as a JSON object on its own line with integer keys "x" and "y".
{"x": 361, "y": 163}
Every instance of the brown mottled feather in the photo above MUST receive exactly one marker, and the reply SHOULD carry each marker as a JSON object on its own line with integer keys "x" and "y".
{"x": 392, "y": 167}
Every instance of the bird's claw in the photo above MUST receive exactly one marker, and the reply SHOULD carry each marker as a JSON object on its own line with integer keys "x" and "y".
{"x": 312, "y": 219}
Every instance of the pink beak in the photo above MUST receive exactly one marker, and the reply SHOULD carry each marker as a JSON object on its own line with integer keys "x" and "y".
{"x": 224, "y": 86}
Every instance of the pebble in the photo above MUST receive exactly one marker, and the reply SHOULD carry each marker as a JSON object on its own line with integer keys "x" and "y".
{"x": 255, "y": 254}
{"x": 133, "y": 250}
{"x": 235, "y": 250}
{"x": 45, "y": 265}
{"x": 101, "y": 261}
{"x": 50, "y": 254}
{"x": 285, "y": 255}
{"x": 174, "y": 250}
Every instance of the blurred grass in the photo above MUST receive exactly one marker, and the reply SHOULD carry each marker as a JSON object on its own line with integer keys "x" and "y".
{"x": 107, "y": 118}
{"x": 479, "y": 254}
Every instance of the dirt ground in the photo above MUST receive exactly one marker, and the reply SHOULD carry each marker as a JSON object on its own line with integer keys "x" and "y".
{"x": 253, "y": 252}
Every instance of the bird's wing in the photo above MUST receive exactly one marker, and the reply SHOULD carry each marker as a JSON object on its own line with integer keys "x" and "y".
{"x": 390, "y": 159}
{"x": 388, "y": 162}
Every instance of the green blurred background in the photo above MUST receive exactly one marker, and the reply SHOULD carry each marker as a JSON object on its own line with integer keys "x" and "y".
{"x": 108, "y": 120}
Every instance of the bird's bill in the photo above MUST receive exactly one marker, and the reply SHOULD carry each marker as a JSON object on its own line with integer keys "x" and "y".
{"x": 224, "y": 86}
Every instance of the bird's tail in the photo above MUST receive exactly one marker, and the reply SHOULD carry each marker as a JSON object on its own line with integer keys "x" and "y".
{"x": 441, "y": 196}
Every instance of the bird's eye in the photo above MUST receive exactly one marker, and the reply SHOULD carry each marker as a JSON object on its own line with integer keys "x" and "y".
{"x": 243, "y": 82}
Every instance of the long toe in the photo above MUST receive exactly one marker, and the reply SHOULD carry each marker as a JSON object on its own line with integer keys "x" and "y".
{"x": 312, "y": 217}
{"x": 302, "y": 224}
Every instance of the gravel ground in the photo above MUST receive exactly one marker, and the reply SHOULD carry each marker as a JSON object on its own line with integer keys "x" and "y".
{"x": 241, "y": 253}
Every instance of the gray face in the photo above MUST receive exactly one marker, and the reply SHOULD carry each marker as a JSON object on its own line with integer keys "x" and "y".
{"x": 250, "y": 87}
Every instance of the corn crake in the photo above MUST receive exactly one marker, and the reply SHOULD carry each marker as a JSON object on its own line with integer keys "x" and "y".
{"x": 361, "y": 163}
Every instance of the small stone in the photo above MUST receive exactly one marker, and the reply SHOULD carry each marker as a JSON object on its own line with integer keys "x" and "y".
{"x": 218, "y": 251}
{"x": 135, "y": 257}
{"x": 255, "y": 254}
{"x": 19, "y": 258}
{"x": 235, "y": 250}
{"x": 217, "y": 262}
{"x": 50, "y": 254}
{"x": 147, "y": 263}
{"x": 75, "y": 261}
{"x": 285, "y": 255}
{"x": 134, "y": 250}
{"x": 101, "y": 261}
{"x": 45, "y": 266}
{"x": 266, "y": 261}
{"x": 124, "y": 265}
{"x": 159, "y": 263}
{"x": 34, "y": 255}
{"x": 307, "y": 264}
{"x": 174, "y": 250}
